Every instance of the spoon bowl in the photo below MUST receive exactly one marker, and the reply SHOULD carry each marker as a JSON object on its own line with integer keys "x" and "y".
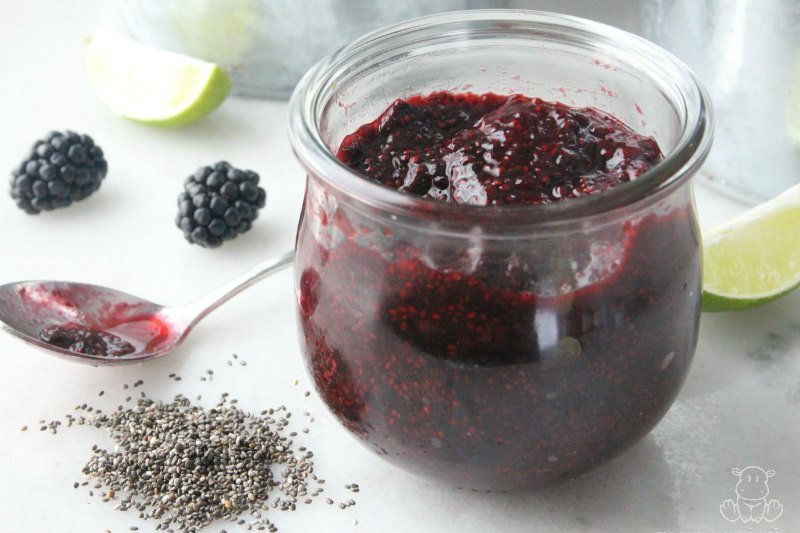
{"x": 154, "y": 330}
{"x": 27, "y": 307}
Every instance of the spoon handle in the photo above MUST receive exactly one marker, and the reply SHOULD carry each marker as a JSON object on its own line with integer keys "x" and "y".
{"x": 199, "y": 309}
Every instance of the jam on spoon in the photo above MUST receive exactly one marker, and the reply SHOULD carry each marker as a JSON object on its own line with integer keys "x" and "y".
{"x": 80, "y": 339}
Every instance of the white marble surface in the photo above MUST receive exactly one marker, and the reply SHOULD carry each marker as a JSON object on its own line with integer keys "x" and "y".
{"x": 740, "y": 405}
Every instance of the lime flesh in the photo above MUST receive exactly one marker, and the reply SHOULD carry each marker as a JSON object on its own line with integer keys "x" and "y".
{"x": 754, "y": 258}
{"x": 152, "y": 86}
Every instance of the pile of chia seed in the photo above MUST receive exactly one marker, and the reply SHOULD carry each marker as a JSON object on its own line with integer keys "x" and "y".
{"x": 185, "y": 466}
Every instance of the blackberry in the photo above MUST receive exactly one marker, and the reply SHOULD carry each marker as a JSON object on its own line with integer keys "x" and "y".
{"x": 61, "y": 168}
{"x": 218, "y": 203}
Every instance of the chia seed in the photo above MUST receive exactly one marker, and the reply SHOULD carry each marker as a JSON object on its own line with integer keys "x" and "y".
{"x": 184, "y": 466}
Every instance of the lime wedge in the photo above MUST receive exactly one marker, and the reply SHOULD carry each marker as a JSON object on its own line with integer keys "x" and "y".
{"x": 755, "y": 258}
{"x": 152, "y": 86}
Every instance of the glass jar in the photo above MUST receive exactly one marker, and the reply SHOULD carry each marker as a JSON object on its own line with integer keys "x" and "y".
{"x": 499, "y": 347}
{"x": 747, "y": 53}
{"x": 267, "y": 45}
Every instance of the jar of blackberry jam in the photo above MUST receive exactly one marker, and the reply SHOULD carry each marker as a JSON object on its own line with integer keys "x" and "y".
{"x": 498, "y": 262}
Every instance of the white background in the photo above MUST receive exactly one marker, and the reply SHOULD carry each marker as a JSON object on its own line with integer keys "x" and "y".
{"x": 740, "y": 406}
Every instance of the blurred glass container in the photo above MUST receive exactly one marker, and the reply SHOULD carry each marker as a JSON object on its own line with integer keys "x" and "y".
{"x": 267, "y": 45}
{"x": 624, "y": 14}
{"x": 747, "y": 53}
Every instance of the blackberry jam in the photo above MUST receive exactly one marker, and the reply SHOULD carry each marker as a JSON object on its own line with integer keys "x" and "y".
{"x": 494, "y": 291}
{"x": 80, "y": 339}
{"x": 490, "y": 149}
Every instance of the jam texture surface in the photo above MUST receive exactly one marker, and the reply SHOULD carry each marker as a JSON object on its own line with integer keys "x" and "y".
{"x": 488, "y": 149}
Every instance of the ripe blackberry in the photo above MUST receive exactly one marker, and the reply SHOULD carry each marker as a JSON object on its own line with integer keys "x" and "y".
{"x": 218, "y": 203}
{"x": 62, "y": 168}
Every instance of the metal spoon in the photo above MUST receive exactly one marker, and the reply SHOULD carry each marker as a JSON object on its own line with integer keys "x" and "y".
{"x": 154, "y": 330}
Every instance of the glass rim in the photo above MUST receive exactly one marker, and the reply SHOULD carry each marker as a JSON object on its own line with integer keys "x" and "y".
{"x": 308, "y": 101}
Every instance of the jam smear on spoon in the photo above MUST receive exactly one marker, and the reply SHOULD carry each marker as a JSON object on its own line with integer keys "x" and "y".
{"x": 80, "y": 339}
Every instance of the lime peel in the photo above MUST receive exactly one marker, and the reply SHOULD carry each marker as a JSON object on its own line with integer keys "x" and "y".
{"x": 754, "y": 258}
{"x": 152, "y": 86}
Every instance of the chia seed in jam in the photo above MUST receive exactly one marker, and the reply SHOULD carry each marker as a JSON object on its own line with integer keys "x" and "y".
{"x": 491, "y": 363}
